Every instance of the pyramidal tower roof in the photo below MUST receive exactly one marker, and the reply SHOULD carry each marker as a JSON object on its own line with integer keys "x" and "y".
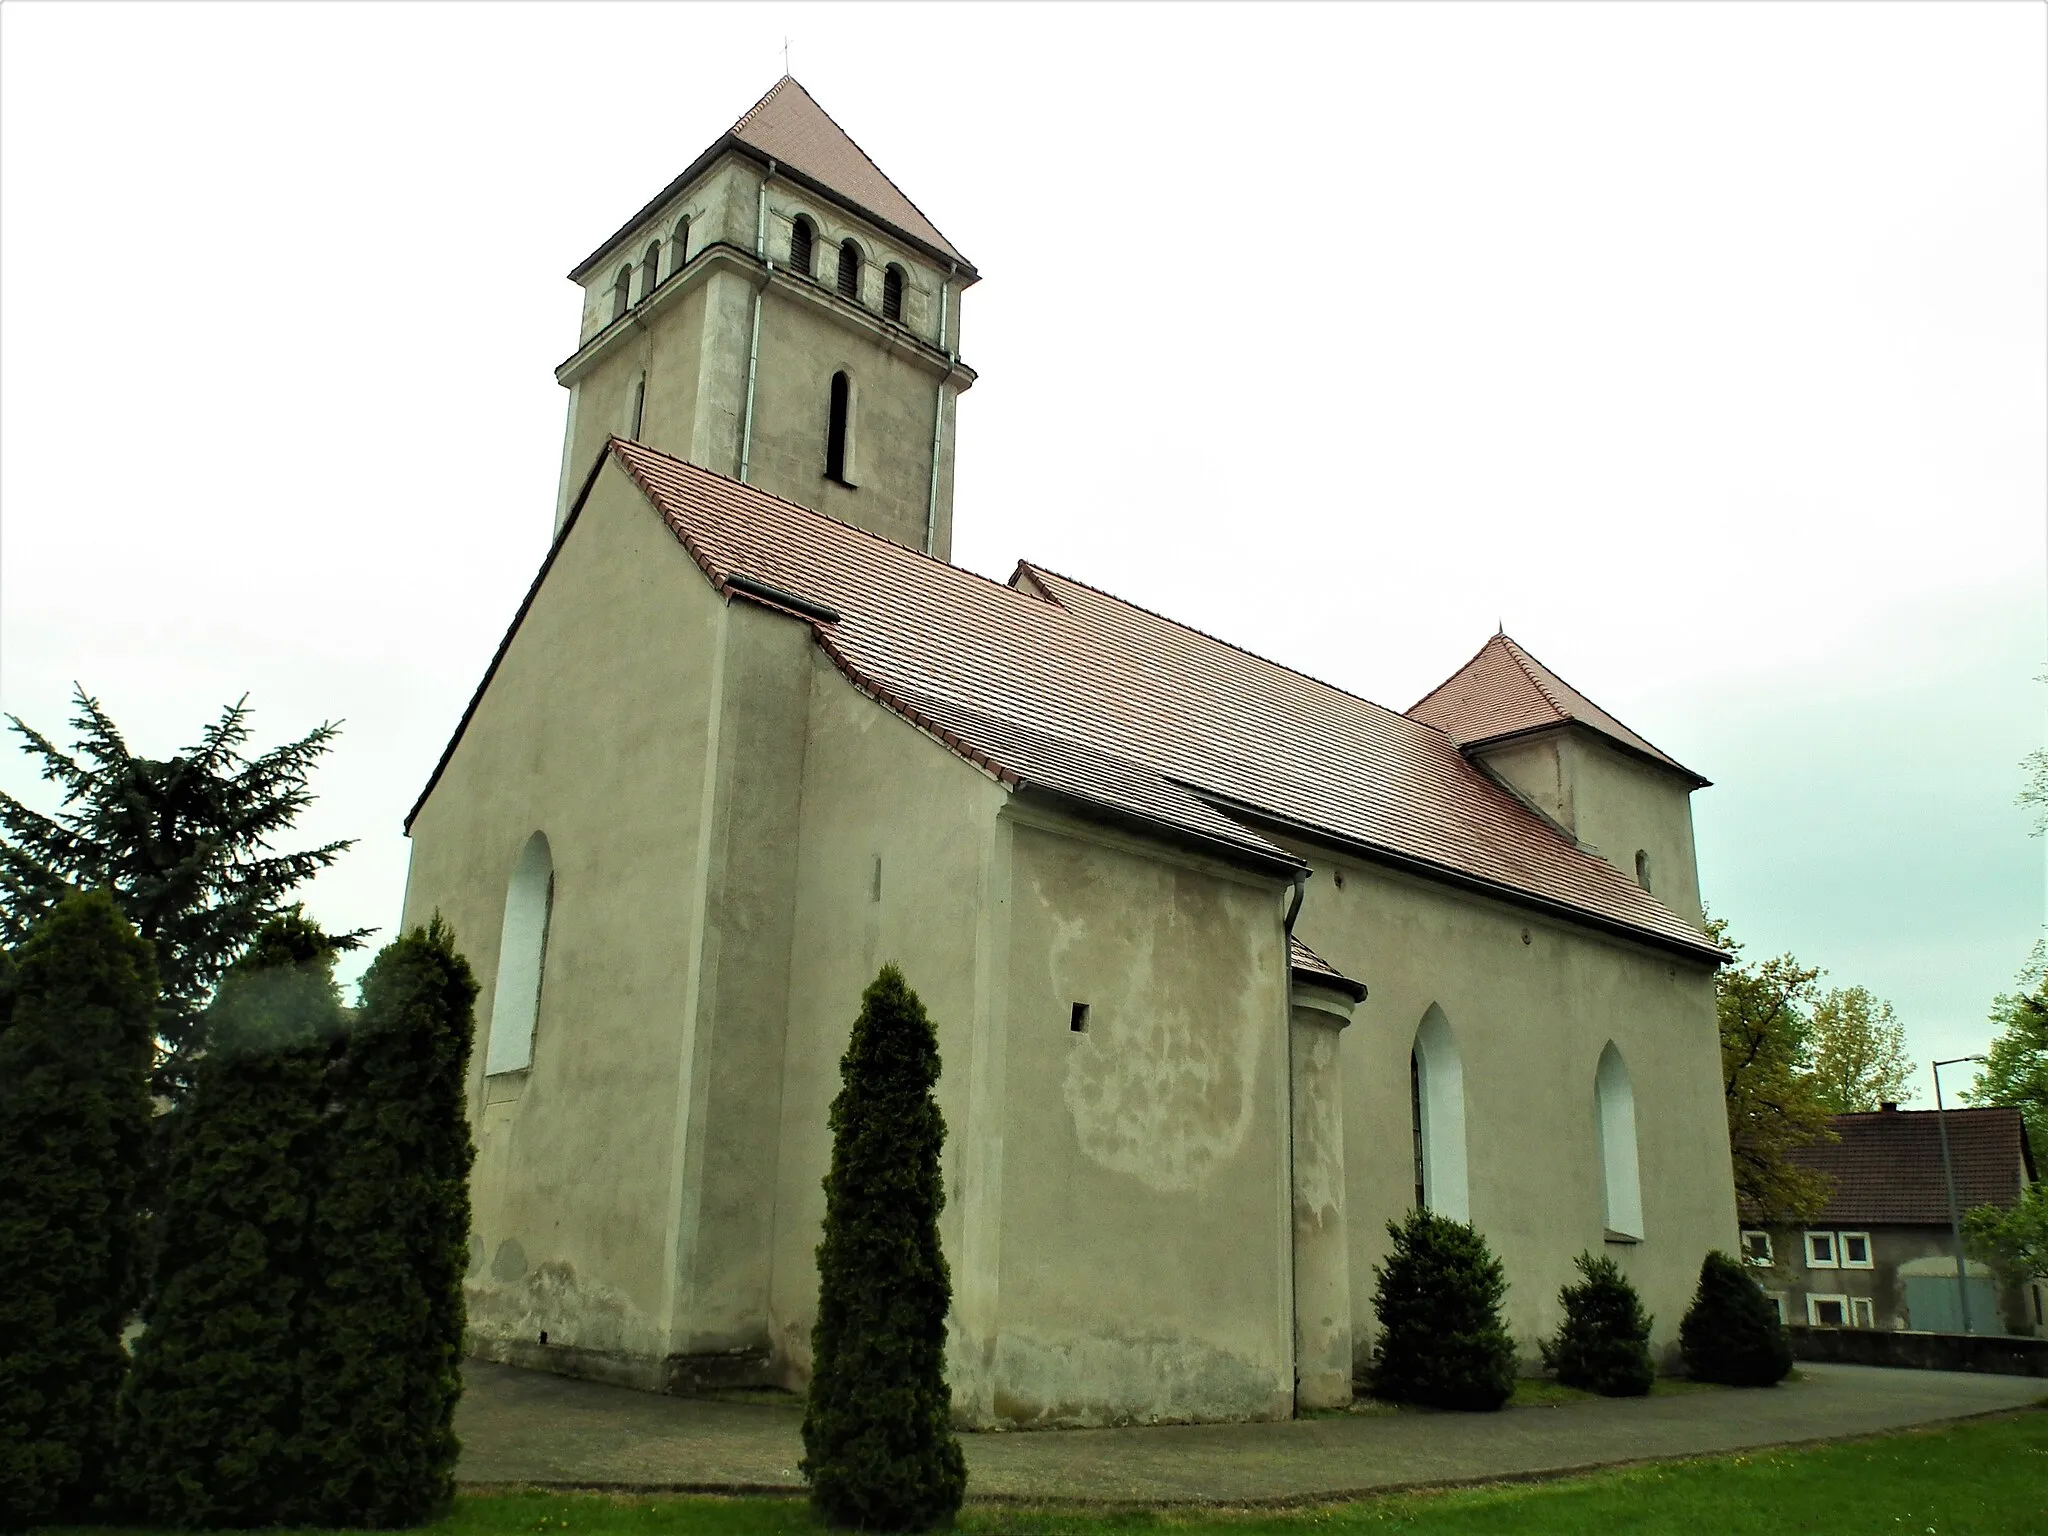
{"x": 1504, "y": 691}
{"x": 788, "y": 127}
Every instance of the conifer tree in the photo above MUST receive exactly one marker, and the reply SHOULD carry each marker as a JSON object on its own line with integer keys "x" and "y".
{"x": 210, "y": 1421}
{"x": 1442, "y": 1342}
{"x": 74, "y": 1119}
{"x": 879, "y": 1451}
{"x": 384, "y": 1316}
{"x": 1731, "y": 1333}
{"x": 1603, "y": 1345}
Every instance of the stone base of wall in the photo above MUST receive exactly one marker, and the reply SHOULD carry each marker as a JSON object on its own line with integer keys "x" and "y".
{"x": 680, "y": 1375}
{"x": 1992, "y": 1353}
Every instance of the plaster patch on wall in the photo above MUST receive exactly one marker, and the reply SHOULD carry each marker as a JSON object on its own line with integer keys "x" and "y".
{"x": 1106, "y": 1379}
{"x": 573, "y": 1311}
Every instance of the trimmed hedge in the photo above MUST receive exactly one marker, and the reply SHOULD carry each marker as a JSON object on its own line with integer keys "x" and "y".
{"x": 1441, "y": 1341}
{"x": 1603, "y": 1345}
{"x": 1731, "y": 1333}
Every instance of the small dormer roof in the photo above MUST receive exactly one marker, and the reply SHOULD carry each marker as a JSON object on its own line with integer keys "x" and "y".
{"x": 788, "y": 127}
{"x": 1503, "y": 691}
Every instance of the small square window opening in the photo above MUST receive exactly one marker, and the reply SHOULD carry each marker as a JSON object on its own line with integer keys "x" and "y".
{"x": 1756, "y": 1248}
{"x": 1079, "y": 1021}
{"x": 1827, "y": 1311}
{"x": 1862, "y": 1312}
{"x": 1820, "y": 1251}
{"x": 1777, "y": 1299}
{"x": 1856, "y": 1250}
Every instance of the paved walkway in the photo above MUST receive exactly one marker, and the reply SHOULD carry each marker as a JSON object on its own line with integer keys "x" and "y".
{"x": 526, "y": 1427}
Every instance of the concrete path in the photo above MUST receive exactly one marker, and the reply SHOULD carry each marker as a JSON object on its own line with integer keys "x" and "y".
{"x": 530, "y": 1428}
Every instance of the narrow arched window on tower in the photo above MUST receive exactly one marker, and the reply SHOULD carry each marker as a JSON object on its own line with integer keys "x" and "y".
{"x": 801, "y": 233}
{"x": 892, "y": 292}
{"x": 838, "y": 429}
{"x": 622, "y": 291}
{"x": 636, "y": 406}
{"x": 650, "y": 271}
{"x": 849, "y": 271}
{"x": 679, "y": 247}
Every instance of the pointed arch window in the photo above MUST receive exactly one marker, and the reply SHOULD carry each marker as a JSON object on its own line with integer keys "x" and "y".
{"x": 522, "y": 956}
{"x": 892, "y": 292}
{"x": 679, "y": 246}
{"x": 839, "y": 431}
{"x": 1437, "y": 1102}
{"x": 802, "y": 236}
{"x": 650, "y": 271}
{"x": 1621, "y": 1180}
{"x": 622, "y": 291}
{"x": 849, "y": 271}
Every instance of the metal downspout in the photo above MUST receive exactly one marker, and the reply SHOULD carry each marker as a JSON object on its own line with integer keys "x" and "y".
{"x": 931, "y": 501}
{"x": 754, "y": 336}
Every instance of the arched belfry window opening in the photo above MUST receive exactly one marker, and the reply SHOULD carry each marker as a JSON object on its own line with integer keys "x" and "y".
{"x": 1437, "y": 1098}
{"x": 892, "y": 292}
{"x": 622, "y": 291}
{"x": 679, "y": 247}
{"x": 839, "y": 431}
{"x": 1643, "y": 868}
{"x": 650, "y": 271}
{"x": 802, "y": 234}
{"x": 522, "y": 957}
{"x": 1616, "y": 1100}
{"x": 849, "y": 271}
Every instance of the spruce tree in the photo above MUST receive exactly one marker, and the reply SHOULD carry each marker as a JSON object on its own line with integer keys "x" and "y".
{"x": 1603, "y": 1344}
{"x": 384, "y": 1317}
{"x": 1731, "y": 1333}
{"x": 78, "y": 999}
{"x": 210, "y": 1421}
{"x": 879, "y": 1451}
{"x": 1441, "y": 1340}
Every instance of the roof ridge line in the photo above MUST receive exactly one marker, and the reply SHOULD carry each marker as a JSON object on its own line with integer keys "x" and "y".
{"x": 1528, "y": 664}
{"x": 896, "y": 704}
{"x": 768, "y": 96}
{"x": 1515, "y": 648}
{"x": 1454, "y": 674}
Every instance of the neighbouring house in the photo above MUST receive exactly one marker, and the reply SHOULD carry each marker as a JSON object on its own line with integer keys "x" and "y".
{"x": 751, "y": 735}
{"x": 1881, "y": 1254}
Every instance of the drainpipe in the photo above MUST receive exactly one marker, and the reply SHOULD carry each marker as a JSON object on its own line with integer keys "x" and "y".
{"x": 931, "y": 501}
{"x": 754, "y": 337}
{"x": 1294, "y": 906}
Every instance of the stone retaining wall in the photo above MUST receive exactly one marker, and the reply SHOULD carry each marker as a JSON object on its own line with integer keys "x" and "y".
{"x": 1997, "y": 1354}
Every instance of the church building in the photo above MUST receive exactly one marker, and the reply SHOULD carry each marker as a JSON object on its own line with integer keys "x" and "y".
{"x": 1229, "y": 967}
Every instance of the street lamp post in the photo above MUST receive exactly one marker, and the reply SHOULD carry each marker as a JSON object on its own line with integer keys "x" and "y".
{"x": 1948, "y": 1175}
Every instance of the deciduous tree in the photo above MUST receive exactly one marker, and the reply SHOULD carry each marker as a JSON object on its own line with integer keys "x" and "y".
{"x": 1856, "y": 1051}
{"x": 2015, "y": 1069}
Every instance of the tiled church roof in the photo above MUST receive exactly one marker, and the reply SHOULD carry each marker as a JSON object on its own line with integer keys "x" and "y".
{"x": 1887, "y": 1165}
{"x": 1052, "y": 683}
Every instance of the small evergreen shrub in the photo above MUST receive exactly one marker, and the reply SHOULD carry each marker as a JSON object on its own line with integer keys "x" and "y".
{"x": 879, "y": 1451}
{"x": 1441, "y": 1340}
{"x": 78, "y": 997}
{"x": 1731, "y": 1333}
{"x": 1603, "y": 1344}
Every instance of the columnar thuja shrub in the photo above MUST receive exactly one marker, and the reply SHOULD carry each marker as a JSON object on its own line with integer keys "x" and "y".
{"x": 1731, "y": 1333}
{"x": 878, "y": 1448}
{"x": 75, "y": 1041}
{"x": 1441, "y": 1340}
{"x": 210, "y": 1431}
{"x": 382, "y": 1324}
{"x": 1603, "y": 1344}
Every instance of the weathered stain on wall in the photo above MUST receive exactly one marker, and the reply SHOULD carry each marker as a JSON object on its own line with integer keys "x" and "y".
{"x": 1118, "y": 1376}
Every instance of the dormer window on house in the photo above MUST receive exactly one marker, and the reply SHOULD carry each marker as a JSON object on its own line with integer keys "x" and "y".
{"x": 849, "y": 271}
{"x": 892, "y": 292}
{"x": 802, "y": 234}
{"x": 622, "y": 291}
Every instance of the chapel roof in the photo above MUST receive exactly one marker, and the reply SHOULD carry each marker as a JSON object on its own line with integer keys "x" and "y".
{"x": 1051, "y": 683}
{"x": 1306, "y": 963}
{"x": 788, "y": 127}
{"x": 1504, "y": 691}
{"x": 1887, "y": 1165}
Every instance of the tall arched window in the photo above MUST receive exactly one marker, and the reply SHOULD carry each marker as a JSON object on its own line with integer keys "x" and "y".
{"x": 849, "y": 271}
{"x": 522, "y": 954}
{"x": 636, "y": 406}
{"x": 892, "y": 292}
{"x": 679, "y": 247}
{"x": 839, "y": 431}
{"x": 1615, "y": 1097}
{"x": 650, "y": 271}
{"x": 622, "y": 291}
{"x": 802, "y": 234}
{"x": 1437, "y": 1098}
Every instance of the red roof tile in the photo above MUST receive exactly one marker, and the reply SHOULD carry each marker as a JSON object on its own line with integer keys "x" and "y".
{"x": 1083, "y": 694}
{"x": 1504, "y": 691}
{"x": 1305, "y": 962}
{"x": 1887, "y": 1165}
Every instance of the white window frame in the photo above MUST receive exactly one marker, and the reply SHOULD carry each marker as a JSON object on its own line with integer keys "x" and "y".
{"x": 1813, "y": 1304}
{"x": 1868, "y": 1261}
{"x": 1768, "y": 1258}
{"x": 1862, "y": 1312}
{"x": 1834, "y": 1258}
{"x": 1777, "y": 1299}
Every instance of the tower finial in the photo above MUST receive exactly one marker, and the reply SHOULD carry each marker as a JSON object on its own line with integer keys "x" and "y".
{"x": 785, "y": 58}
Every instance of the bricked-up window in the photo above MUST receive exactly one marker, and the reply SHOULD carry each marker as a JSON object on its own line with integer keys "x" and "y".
{"x": 849, "y": 271}
{"x": 1643, "y": 868}
{"x": 892, "y": 292}
{"x": 522, "y": 958}
{"x": 802, "y": 234}
{"x": 679, "y": 247}
{"x": 650, "y": 271}
{"x": 838, "y": 430}
{"x": 622, "y": 291}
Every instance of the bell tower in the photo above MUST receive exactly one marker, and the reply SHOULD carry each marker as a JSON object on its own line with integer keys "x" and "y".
{"x": 783, "y": 314}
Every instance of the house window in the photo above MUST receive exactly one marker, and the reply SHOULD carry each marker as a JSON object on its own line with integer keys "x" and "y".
{"x": 1862, "y": 1312}
{"x": 849, "y": 271}
{"x": 1827, "y": 1311}
{"x": 1820, "y": 1251}
{"x": 1643, "y": 868}
{"x": 1440, "y": 1079}
{"x": 839, "y": 432}
{"x": 1615, "y": 1100}
{"x": 1854, "y": 1250}
{"x": 650, "y": 271}
{"x": 802, "y": 233}
{"x": 1756, "y": 1249}
{"x": 522, "y": 957}
{"x": 679, "y": 247}
{"x": 1777, "y": 1300}
{"x": 622, "y": 291}
{"x": 892, "y": 292}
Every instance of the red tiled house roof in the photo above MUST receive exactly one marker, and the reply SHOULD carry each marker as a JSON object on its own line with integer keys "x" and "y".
{"x": 1887, "y": 1165}
{"x": 1053, "y": 684}
{"x": 1504, "y": 691}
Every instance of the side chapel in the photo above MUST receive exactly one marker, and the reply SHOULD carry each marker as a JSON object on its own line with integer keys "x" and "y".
{"x": 1229, "y": 966}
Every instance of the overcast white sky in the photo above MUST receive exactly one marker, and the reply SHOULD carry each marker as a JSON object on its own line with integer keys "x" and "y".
{"x": 1704, "y": 345}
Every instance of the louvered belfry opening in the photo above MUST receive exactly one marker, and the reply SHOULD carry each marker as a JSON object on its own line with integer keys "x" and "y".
{"x": 835, "y": 431}
{"x": 892, "y": 292}
{"x": 849, "y": 271}
{"x": 800, "y": 246}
